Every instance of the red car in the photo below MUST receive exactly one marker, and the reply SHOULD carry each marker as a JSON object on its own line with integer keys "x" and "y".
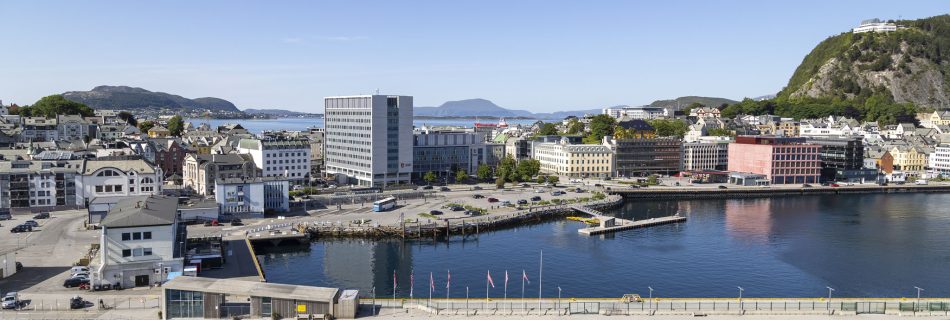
{"x": 835, "y": 185}
{"x": 492, "y": 200}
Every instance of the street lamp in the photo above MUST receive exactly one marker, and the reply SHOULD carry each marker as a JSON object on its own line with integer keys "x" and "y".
{"x": 559, "y": 300}
{"x": 651, "y": 297}
{"x": 830, "y": 289}
{"x": 919, "y": 289}
{"x": 740, "y": 297}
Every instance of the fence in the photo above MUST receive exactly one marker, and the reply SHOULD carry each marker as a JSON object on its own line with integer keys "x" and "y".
{"x": 93, "y": 303}
{"x": 661, "y": 306}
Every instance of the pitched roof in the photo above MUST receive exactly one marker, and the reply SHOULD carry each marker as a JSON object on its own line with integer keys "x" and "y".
{"x": 142, "y": 211}
{"x": 638, "y": 124}
{"x": 138, "y": 165}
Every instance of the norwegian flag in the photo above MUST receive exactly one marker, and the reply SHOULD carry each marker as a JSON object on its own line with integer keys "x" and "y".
{"x": 506, "y": 277}
{"x": 431, "y": 282}
{"x": 492, "y": 283}
{"x": 524, "y": 276}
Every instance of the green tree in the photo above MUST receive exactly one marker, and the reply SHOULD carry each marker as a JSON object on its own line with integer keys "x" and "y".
{"x": 429, "y": 177}
{"x": 547, "y": 129}
{"x": 461, "y": 176}
{"x": 653, "y": 180}
{"x": 669, "y": 127}
{"x": 128, "y": 118}
{"x": 542, "y": 179}
{"x": 721, "y": 132}
{"x": 553, "y": 180}
{"x": 507, "y": 168}
{"x": 176, "y": 125}
{"x": 621, "y": 133}
{"x": 500, "y": 183}
{"x": 484, "y": 172}
{"x": 600, "y": 125}
{"x": 575, "y": 127}
{"x": 144, "y": 126}
{"x": 50, "y": 106}
{"x": 528, "y": 168}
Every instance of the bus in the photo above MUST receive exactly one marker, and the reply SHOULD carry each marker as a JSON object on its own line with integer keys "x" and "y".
{"x": 384, "y": 205}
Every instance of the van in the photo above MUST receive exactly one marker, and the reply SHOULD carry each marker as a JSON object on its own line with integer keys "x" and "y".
{"x": 921, "y": 182}
{"x": 79, "y": 269}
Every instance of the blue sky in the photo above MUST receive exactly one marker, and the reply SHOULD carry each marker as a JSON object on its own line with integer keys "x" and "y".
{"x": 534, "y": 55}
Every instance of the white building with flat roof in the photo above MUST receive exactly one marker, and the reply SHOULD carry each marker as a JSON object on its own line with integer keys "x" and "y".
{"x": 288, "y": 158}
{"x": 369, "y": 139}
{"x": 638, "y": 112}
{"x": 874, "y": 25}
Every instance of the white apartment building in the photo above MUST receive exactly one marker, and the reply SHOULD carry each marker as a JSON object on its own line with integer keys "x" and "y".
{"x": 288, "y": 158}
{"x": 939, "y": 160}
{"x": 706, "y": 155}
{"x": 252, "y": 195}
{"x": 369, "y": 139}
{"x": 141, "y": 243}
{"x": 72, "y": 127}
{"x": 39, "y": 129}
{"x": 574, "y": 160}
{"x": 874, "y": 25}
{"x": 639, "y": 112}
{"x": 103, "y": 183}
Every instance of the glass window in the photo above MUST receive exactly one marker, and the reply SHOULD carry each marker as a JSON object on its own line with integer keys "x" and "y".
{"x": 266, "y": 307}
{"x": 126, "y": 236}
{"x": 136, "y": 236}
{"x": 126, "y": 252}
{"x": 146, "y": 235}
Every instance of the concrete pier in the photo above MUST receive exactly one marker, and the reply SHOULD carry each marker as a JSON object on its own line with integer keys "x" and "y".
{"x": 612, "y": 224}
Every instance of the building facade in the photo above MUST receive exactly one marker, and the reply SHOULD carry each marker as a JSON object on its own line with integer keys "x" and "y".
{"x": 702, "y": 156}
{"x": 640, "y": 157}
{"x": 255, "y": 196}
{"x": 38, "y": 184}
{"x": 112, "y": 180}
{"x": 574, "y": 160}
{"x": 842, "y": 159}
{"x": 201, "y": 170}
{"x": 939, "y": 160}
{"x": 369, "y": 139}
{"x": 286, "y": 158}
{"x": 781, "y": 160}
{"x": 444, "y": 153}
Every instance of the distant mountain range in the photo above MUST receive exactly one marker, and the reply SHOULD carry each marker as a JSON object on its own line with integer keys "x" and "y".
{"x": 682, "y": 102}
{"x": 486, "y": 108}
{"x": 279, "y": 113}
{"x": 130, "y": 98}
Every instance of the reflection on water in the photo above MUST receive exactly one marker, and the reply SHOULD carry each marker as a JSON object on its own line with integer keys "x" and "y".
{"x": 862, "y": 245}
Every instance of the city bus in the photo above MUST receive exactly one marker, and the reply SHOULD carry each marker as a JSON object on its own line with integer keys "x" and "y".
{"x": 384, "y": 205}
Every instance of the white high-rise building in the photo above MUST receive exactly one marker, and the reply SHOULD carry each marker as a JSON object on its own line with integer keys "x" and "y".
{"x": 369, "y": 139}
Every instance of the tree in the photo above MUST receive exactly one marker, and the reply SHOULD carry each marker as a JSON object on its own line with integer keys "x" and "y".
{"x": 669, "y": 127}
{"x": 553, "y": 180}
{"x": 176, "y": 125}
{"x": 144, "y": 126}
{"x": 542, "y": 179}
{"x": 429, "y": 177}
{"x": 484, "y": 172}
{"x": 652, "y": 180}
{"x": 621, "y": 133}
{"x": 528, "y": 168}
{"x": 51, "y": 106}
{"x": 721, "y": 132}
{"x": 128, "y": 118}
{"x": 461, "y": 176}
{"x": 507, "y": 168}
{"x": 600, "y": 125}
{"x": 500, "y": 183}
{"x": 548, "y": 129}
{"x": 575, "y": 127}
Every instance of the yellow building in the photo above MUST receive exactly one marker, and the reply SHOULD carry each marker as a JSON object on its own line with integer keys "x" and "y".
{"x": 940, "y": 118}
{"x": 574, "y": 160}
{"x": 158, "y": 131}
{"x": 909, "y": 159}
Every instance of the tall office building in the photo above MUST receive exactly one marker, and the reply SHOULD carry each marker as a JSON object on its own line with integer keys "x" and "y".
{"x": 369, "y": 139}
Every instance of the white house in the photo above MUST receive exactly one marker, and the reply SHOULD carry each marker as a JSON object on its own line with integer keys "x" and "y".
{"x": 102, "y": 183}
{"x": 252, "y": 195}
{"x": 279, "y": 158}
{"x": 874, "y": 25}
{"x": 141, "y": 242}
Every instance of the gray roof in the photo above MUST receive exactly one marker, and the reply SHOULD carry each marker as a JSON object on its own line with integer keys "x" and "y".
{"x": 142, "y": 211}
{"x": 253, "y": 288}
{"x": 138, "y": 165}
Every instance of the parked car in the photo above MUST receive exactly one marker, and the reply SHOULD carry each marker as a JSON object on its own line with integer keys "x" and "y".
{"x": 78, "y": 269}
{"x": 536, "y": 198}
{"x": 538, "y": 190}
{"x": 522, "y": 201}
{"x": 579, "y": 190}
{"x": 236, "y": 222}
{"x": 598, "y": 185}
{"x": 505, "y": 203}
{"x": 835, "y": 185}
{"x": 5, "y": 216}
{"x": 472, "y": 213}
{"x": 435, "y": 212}
{"x": 75, "y": 282}
{"x": 525, "y": 185}
{"x": 456, "y": 208}
{"x": 80, "y": 275}
{"x": 557, "y": 193}
{"x": 21, "y": 228}
{"x": 723, "y": 187}
{"x": 477, "y": 196}
{"x": 77, "y": 303}
{"x": 445, "y": 189}
{"x": 476, "y": 188}
{"x": 31, "y": 223}
{"x": 41, "y": 215}
{"x": 427, "y": 188}
{"x": 806, "y": 186}
{"x": 492, "y": 200}
{"x": 11, "y": 300}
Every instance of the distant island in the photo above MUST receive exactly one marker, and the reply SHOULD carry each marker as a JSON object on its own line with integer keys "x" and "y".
{"x": 280, "y": 113}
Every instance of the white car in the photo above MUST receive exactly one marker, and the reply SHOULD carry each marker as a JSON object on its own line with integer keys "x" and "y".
{"x": 78, "y": 269}
{"x": 11, "y": 300}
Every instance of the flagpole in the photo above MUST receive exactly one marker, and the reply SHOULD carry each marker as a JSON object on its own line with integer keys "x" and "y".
{"x": 394, "y": 284}
{"x": 448, "y": 285}
{"x": 524, "y": 304}
{"x": 486, "y": 285}
{"x": 431, "y": 284}
{"x": 506, "y": 287}
{"x": 540, "y": 270}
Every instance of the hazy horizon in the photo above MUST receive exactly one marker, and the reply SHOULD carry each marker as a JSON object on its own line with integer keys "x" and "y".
{"x": 540, "y": 56}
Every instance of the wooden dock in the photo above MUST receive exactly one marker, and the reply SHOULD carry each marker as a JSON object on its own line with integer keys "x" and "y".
{"x": 623, "y": 224}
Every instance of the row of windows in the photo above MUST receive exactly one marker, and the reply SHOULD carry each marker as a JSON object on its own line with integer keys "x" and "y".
{"x": 109, "y": 188}
{"x": 137, "y": 252}
{"x": 127, "y": 236}
{"x": 285, "y": 161}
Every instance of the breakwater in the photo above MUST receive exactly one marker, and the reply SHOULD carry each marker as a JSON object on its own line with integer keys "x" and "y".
{"x": 759, "y": 192}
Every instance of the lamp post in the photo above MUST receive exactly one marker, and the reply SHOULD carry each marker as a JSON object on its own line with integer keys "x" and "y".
{"x": 830, "y": 289}
{"x": 919, "y": 289}
{"x": 740, "y": 297}
{"x": 558, "y": 300}
{"x": 651, "y": 297}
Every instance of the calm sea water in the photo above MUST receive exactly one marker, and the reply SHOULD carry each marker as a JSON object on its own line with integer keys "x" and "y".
{"x": 256, "y": 126}
{"x": 861, "y": 245}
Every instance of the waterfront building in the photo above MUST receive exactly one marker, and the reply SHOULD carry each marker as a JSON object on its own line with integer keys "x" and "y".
{"x": 842, "y": 159}
{"x": 38, "y": 129}
{"x": 141, "y": 242}
{"x": 46, "y": 184}
{"x": 287, "y": 158}
{"x": 201, "y": 170}
{"x": 706, "y": 155}
{"x": 101, "y": 183}
{"x": 874, "y": 25}
{"x": 445, "y": 152}
{"x": 640, "y": 157}
{"x": 369, "y": 139}
{"x": 880, "y": 159}
{"x": 254, "y": 196}
{"x": 781, "y": 160}
{"x": 939, "y": 160}
{"x": 574, "y": 160}
{"x": 909, "y": 159}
